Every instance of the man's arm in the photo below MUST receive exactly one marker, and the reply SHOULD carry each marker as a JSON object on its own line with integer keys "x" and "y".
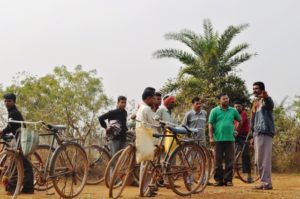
{"x": 269, "y": 103}
{"x": 211, "y": 121}
{"x": 211, "y": 133}
{"x": 185, "y": 120}
{"x": 104, "y": 117}
{"x": 12, "y": 127}
{"x": 238, "y": 118}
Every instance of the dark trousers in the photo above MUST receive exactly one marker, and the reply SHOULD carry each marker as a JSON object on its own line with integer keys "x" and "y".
{"x": 28, "y": 177}
{"x": 246, "y": 163}
{"x": 224, "y": 151}
{"x": 116, "y": 145}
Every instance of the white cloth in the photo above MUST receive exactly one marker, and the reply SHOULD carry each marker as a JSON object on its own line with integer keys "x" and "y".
{"x": 146, "y": 116}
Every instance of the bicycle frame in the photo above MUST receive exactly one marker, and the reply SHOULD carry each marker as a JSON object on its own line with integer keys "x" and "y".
{"x": 167, "y": 133}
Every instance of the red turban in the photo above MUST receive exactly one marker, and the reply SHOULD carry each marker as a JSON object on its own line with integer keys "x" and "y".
{"x": 169, "y": 100}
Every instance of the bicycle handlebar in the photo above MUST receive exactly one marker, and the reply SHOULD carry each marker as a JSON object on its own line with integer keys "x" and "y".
{"x": 25, "y": 122}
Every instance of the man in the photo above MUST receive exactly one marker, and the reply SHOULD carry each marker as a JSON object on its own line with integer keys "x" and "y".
{"x": 14, "y": 114}
{"x": 145, "y": 113}
{"x": 117, "y": 142}
{"x": 221, "y": 133}
{"x": 157, "y": 101}
{"x": 165, "y": 111}
{"x": 196, "y": 119}
{"x": 145, "y": 116}
{"x": 241, "y": 138}
{"x": 263, "y": 128}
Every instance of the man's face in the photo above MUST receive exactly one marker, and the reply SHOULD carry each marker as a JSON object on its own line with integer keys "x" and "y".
{"x": 238, "y": 107}
{"x": 171, "y": 105}
{"x": 157, "y": 101}
{"x": 150, "y": 101}
{"x": 9, "y": 103}
{"x": 122, "y": 104}
{"x": 256, "y": 90}
{"x": 224, "y": 100}
{"x": 197, "y": 106}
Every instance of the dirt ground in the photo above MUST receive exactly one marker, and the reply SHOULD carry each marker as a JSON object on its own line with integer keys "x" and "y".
{"x": 285, "y": 186}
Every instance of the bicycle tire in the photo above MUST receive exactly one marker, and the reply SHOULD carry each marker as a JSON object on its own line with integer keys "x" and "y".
{"x": 174, "y": 172}
{"x": 108, "y": 170}
{"x": 38, "y": 160}
{"x": 11, "y": 165}
{"x": 254, "y": 168}
{"x": 65, "y": 164}
{"x": 98, "y": 158}
{"x": 212, "y": 162}
{"x": 150, "y": 173}
{"x": 208, "y": 167}
{"x": 123, "y": 170}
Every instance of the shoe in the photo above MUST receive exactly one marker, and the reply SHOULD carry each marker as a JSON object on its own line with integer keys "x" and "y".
{"x": 9, "y": 190}
{"x": 250, "y": 180}
{"x": 263, "y": 187}
{"x": 28, "y": 191}
{"x": 209, "y": 184}
{"x": 267, "y": 187}
{"x": 151, "y": 194}
{"x": 228, "y": 184}
{"x": 218, "y": 184}
{"x": 258, "y": 187}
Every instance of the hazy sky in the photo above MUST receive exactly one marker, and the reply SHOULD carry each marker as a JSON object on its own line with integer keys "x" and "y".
{"x": 118, "y": 37}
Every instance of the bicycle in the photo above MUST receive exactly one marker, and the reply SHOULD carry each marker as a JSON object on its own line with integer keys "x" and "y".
{"x": 184, "y": 166}
{"x": 98, "y": 158}
{"x": 240, "y": 153}
{"x": 68, "y": 164}
{"x": 130, "y": 138}
{"x": 154, "y": 171}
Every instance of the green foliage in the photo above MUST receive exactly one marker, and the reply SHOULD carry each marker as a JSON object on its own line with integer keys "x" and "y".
{"x": 286, "y": 142}
{"x": 209, "y": 65}
{"x": 62, "y": 97}
{"x": 297, "y": 106}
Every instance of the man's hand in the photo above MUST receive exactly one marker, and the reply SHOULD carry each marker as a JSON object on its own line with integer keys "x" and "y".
{"x": 211, "y": 141}
{"x": 251, "y": 142}
{"x": 263, "y": 94}
{"x": 236, "y": 133}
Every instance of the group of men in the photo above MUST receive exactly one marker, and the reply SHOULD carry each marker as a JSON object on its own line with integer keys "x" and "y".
{"x": 228, "y": 128}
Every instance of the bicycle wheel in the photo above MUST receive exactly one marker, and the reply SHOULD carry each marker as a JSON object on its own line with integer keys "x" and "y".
{"x": 1, "y": 147}
{"x": 38, "y": 160}
{"x": 152, "y": 172}
{"x": 110, "y": 167}
{"x": 243, "y": 174}
{"x": 207, "y": 169}
{"x": 122, "y": 172}
{"x": 69, "y": 169}
{"x": 212, "y": 162}
{"x": 186, "y": 169}
{"x": 98, "y": 159}
{"x": 11, "y": 173}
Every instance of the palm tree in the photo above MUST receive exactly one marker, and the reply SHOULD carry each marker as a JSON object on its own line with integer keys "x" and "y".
{"x": 210, "y": 62}
{"x": 208, "y": 50}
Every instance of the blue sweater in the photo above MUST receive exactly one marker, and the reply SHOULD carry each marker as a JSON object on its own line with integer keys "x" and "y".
{"x": 262, "y": 121}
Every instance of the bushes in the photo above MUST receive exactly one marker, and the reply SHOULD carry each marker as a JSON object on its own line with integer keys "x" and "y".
{"x": 286, "y": 143}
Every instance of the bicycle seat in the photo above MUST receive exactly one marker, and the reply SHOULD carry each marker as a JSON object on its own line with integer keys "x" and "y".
{"x": 57, "y": 127}
{"x": 7, "y": 137}
{"x": 191, "y": 130}
{"x": 178, "y": 130}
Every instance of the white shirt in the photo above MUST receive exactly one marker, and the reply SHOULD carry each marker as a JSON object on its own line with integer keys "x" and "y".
{"x": 145, "y": 115}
